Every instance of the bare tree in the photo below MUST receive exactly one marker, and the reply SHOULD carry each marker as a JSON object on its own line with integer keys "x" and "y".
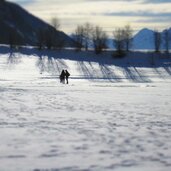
{"x": 123, "y": 38}
{"x": 119, "y": 42}
{"x": 55, "y": 23}
{"x": 119, "y": 39}
{"x": 87, "y": 34}
{"x": 128, "y": 34}
{"x": 15, "y": 39}
{"x": 40, "y": 38}
{"x": 166, "y": 40}
{"x": 58, "y": 41}
{"x": 99, "y": 39}
{"x": 11, "y": 40}
{"x": 157, "y": 40}
{"x": 49, "y": 37}
{"x": 78, "y": 37}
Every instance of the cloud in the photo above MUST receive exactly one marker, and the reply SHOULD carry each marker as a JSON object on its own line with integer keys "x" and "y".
{"x": 152, "y": 20}
{"x": 139, "y": 14}
{"x": 138, "y": 1}
{"x": 106, "y": 13}
{"x": 110, "y": 0}
{"x": 23, "y": 2}
{"x": 157, "y": 1}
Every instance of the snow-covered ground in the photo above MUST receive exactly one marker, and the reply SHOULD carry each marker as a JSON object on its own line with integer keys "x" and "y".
{"x": 113, "y": 116}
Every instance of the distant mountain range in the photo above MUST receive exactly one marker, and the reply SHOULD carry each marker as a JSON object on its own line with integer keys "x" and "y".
{"x": 144, "y": 40}
{"x": 16, "y": 20}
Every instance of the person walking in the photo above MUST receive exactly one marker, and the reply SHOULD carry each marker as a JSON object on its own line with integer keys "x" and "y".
{"x": 62, "y": 77}
{"x": 67, "y": 74}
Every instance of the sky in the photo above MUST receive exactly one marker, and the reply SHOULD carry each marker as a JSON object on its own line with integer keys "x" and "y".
{"x": 109, "y": 14}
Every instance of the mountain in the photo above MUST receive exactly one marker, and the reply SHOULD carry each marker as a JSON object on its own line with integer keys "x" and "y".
{"x": 144, "y": 39}
{"x": 15, "y": 21}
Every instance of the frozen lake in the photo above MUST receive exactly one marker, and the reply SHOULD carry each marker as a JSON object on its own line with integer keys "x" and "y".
{"x": 88, "y": 125}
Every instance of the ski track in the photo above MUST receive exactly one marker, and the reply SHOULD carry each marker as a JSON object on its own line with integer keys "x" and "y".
{"x": 90, "y": 125}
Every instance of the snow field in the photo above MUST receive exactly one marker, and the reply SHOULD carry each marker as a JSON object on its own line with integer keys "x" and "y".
{"x": 108, "y": 117}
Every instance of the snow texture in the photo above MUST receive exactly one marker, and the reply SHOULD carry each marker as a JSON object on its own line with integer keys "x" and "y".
{"x": 114, "y": 115}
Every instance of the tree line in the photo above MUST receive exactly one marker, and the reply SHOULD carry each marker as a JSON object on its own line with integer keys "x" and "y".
{"x": 88, "y": 36}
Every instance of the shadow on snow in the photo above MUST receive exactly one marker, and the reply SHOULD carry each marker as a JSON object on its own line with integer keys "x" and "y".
{"x": 105, "y": 65}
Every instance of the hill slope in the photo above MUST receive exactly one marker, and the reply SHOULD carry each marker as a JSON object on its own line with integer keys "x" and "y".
{"x": 14, "y": 20}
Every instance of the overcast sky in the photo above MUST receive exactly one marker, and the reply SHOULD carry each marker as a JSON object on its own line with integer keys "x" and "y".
{"x": 109, "y": 14}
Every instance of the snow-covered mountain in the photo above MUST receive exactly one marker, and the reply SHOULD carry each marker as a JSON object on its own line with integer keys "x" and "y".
{"x": 16, "y": 20}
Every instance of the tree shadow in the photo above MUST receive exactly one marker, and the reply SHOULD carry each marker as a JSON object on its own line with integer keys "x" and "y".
{"x": 61, "y": 64}
{"x": 133, "y": 74}
{"x": 54, "y": 61}
{"x": 168, "y": 70}
{"x": 13, "y": 59}
{"x": 101, "y": 71}
{"x": 141, "y": 76}
{"x": 41, "y": 63}
{"x": 129, "y": 74}
{"x": 49, "y": 64}
{"x": 158, "y": 72}
{"x": 86, "y": 72}
{"x": 108, "y": 73}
